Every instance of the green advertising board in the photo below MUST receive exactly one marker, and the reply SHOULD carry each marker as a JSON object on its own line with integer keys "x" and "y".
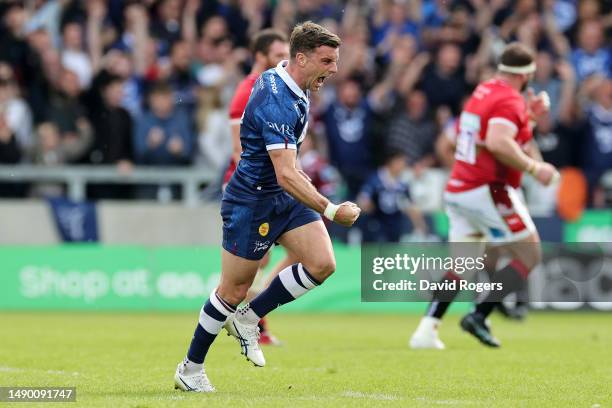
{"x": 97, "y": 277}
{"x": 593, "y": 226}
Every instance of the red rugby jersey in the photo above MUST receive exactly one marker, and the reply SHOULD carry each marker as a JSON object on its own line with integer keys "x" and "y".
{"x": 492, "y": 101}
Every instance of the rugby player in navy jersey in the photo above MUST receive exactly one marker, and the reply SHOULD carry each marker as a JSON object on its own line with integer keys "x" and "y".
{"x": 270, "y": 200}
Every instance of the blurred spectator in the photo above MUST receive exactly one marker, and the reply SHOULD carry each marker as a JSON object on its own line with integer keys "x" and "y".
{"x": 443, "y": 81}
{"x": 9, "y": 148}
{"x": 412, "y": 132}
{"x": 74, "y": 57}
{"x": 13, "y": 48}
{"x": 214, "y": 136}
{"x": 590, "y": 56}
{"x": 166, "y": 27}
{"x": 180, "y": 77}
{"x": 131, "y": 56}
{"x": 49, "y": 150}
{"x": 583, "y": 11}
{"x": 346, "y": 123}
{"x": 120, "y": 64}
{"x": 386, "y": 201}
{"x": 14, "y": 109}
{"x": 597, "y": 154}
{"x": 216, "y": 62}
{"x": 357, "y": 57}
{"x": 45, "y": 16}
{"x": 444, "y": 23}
{"x": 544, "y": 80}
{"x": 112, "y": 126}
{"x": 558, "y": 133}
{"x": 69, "y": 115}
{"x": 392, "y": 19}
{"x": 10, "y": 153}
{"x": 163, "y": 135}
{"x": 539, "y": 31}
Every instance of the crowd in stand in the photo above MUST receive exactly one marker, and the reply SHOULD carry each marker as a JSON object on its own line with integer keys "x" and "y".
{"x": 131, "y": 83}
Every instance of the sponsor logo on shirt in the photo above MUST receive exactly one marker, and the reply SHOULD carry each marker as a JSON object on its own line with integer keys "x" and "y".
{"x": 281, "y": 128}
{"x": 273, "y": 84}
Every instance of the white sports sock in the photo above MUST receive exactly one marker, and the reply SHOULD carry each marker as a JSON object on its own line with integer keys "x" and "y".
{"x": 246, "y": 315}
{"x": 190, "y": 368}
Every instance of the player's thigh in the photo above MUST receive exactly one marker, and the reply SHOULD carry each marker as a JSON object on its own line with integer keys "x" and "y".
{"x": 494, "y": 211}
{"x": 461, "y": 227}
{"x": 522, "y": 240}
{"x": 237, "y": 275}
{"x": 310, "y": 243}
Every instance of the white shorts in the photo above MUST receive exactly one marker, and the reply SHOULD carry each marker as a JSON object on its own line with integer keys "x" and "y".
{"x": 495, "y": 212}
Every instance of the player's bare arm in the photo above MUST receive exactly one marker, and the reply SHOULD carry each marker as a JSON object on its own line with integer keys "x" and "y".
{"x": 500, "y": 141}
{"x": 236, "y": 147}
{"x": 294, "y": 183}
{"x": 533, "y": 150}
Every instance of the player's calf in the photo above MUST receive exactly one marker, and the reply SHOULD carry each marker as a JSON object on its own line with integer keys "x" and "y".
{"x": 190, "y": 375}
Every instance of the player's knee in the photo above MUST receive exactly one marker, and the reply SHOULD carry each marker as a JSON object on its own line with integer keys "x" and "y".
{"x": 530, "y": 254}
{"x": 233, "y": 294}
{"x": 322, "y": 268}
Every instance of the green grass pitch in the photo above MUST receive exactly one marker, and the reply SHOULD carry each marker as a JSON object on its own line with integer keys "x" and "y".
{"x": 128, "y": 360}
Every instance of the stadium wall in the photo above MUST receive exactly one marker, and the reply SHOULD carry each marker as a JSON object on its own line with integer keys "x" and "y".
{"x": 30, "y": 222}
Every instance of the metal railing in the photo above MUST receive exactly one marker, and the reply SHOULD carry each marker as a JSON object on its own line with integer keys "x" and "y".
{"x": 191, "y": 180}
{"x": 77, "y": 177}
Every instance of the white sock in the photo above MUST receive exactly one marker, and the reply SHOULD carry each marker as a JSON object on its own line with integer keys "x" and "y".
{"x": 246, "y": 315}
{"x": 190, "y": 368}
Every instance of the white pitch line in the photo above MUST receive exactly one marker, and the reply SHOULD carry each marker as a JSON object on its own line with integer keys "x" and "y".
{"x": 378, "y": 397}
{"x": 6, "y": 369}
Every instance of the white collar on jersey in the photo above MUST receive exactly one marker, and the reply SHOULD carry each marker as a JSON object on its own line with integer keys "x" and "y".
{"x": 282, "y": 72}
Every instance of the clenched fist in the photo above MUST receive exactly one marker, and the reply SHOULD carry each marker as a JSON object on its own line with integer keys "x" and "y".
{"x": 347, "y": 214}
{"x": 545, "y": 173}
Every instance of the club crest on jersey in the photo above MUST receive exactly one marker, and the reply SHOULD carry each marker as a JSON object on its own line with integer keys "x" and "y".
{"x": 261, "y": 246}
{"x": 264, "y": 229}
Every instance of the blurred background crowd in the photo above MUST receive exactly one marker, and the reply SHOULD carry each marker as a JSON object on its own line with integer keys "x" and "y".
{"x": 140, "y": 83}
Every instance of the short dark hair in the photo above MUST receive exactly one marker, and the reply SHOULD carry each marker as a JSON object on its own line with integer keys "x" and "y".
{"x": 517, "y": 55}
{"x": 264, "y": 39}
{"x": 394, "y": 153}
{"x": 308, "y": 36}
{"x": 160, "y": 87}
{"x": 107, "y": 79}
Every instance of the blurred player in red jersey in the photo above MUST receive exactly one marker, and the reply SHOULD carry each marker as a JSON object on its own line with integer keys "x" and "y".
{"x": 494, "y": 148}
{"x": 269, "y": 47}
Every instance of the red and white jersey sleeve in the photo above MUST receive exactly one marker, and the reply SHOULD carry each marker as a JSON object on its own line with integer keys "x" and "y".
{"x": 493, "y": 101}
{"x": 236, "y": 110}
{"x": 241, "y": 98}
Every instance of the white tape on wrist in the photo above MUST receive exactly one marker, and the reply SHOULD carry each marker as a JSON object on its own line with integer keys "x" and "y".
{"x": 556, "y": 177}
{"x": 532, "y": 167}
{"x": 330, "y": 211}
{"x": 545, "y": 98}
